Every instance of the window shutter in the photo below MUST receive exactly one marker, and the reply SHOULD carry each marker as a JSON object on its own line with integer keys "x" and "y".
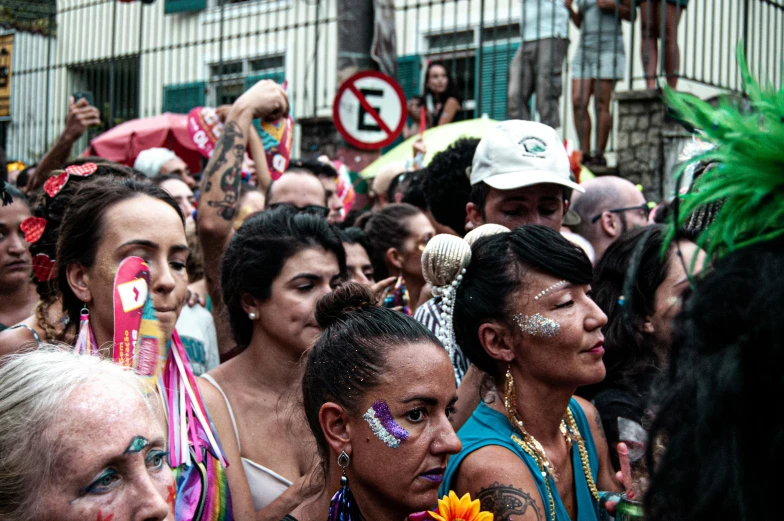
{"x": 494, "y": 75}
{"x": 184, "y": 6}
{"x": 182, "y": 97}
{"x": 409, "y": 70}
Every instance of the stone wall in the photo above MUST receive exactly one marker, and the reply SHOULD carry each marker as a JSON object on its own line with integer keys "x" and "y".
{"x": 648, "y": 142}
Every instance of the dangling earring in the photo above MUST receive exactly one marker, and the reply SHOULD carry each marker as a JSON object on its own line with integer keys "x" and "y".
{"x": 85, "y": 342}
{"x": 510, "y": 398}
{"x": 343, "y": 506}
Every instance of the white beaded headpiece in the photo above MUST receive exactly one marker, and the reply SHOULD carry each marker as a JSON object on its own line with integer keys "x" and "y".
{"x": 444, "y": 262}
{"x": 548, "y": 290}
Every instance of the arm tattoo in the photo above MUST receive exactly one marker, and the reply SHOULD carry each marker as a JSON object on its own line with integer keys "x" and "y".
{"x": 597, "y": 418}
{"x": 227, "y": 159}
{"x": 506, "y": 501}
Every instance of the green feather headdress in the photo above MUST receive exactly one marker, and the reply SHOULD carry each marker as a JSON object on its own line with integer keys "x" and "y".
{"x": 748, "y": 181}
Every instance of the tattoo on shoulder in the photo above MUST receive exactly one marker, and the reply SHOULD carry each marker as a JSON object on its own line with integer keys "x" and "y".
{"x": 507, "y": 501}
{"x": 597, "y": 418}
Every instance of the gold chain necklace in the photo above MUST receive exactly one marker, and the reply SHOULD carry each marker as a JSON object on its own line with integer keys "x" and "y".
{"x": 533, "y": 448}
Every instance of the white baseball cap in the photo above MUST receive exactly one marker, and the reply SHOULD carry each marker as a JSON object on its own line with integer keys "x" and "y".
{"x": 517, "y": 153}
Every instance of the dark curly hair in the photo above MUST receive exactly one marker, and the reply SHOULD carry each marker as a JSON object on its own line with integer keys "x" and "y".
{"x": 257, "y": 253}
{"x": 447, "y": 186}
{"x": 720, "y": 402}
{"x": 631, "y": 358}
{"x": 498, "y": 265}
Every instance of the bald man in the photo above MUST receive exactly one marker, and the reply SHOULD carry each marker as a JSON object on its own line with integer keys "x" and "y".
{"x": 302, "y": 189}
{"x": 610, "y": 206}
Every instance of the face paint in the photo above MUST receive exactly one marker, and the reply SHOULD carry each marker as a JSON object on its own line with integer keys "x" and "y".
{"x": 537, "y": 325}
{"x": 136, "y": 445}
{"x": 100, "y": 517}
{"x": 172, "y": 494}
{"x": 383, "y": 425}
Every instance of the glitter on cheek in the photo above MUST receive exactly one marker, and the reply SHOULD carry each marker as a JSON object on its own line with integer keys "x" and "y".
{"x": 537, "y": 325}
{"x": 383, "y": 425}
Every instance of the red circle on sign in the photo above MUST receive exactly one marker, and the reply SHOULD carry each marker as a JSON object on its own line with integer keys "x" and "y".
{"x": 351, "y": 140}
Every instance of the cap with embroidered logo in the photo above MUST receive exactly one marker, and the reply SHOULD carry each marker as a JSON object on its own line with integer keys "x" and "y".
{"x": 517, "y": 153}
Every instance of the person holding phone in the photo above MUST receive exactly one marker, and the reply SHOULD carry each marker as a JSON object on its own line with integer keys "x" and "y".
{"x": 81, "y": 115}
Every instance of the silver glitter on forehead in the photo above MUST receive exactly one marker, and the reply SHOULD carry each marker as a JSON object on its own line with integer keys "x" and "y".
{"x": 537, "y": 325}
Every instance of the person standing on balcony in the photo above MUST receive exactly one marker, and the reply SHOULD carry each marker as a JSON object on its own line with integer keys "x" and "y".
{"x": 537, "y": 64}
{"x": 651, "y": 13}
{"x": 441, "y": 100}
{"x": 598, "y": 64}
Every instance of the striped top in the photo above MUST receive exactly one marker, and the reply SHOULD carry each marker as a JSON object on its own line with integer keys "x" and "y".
{"x": 429, "y": 314}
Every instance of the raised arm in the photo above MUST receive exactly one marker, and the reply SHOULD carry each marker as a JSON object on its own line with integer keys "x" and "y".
{"x": 220, "y": 187}
{"x": 81, "y": 115}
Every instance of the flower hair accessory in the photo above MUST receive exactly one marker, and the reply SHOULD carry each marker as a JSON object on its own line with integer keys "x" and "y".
{"x": 33, "y": 228}
{"x": 43, "y": 267}
{"x": 54, "y": 184}
{"x": 450, "y": 508}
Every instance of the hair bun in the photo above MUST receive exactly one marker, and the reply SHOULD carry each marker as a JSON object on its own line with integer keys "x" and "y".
{"x": 347, "y": 298}
{"x": 444, "y": 258}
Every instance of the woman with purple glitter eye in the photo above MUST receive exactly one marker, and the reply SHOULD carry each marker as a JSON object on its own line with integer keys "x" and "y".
{"x": 523, "y": 315}
{"x": 378, "y": 390}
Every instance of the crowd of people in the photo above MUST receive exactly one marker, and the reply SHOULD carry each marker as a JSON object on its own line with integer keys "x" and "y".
{"x": 488, "y": 327}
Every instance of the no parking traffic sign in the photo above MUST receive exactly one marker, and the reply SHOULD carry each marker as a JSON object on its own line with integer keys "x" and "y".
{"x": 370, "y": 110}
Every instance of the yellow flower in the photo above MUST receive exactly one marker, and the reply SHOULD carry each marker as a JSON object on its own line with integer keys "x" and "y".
{"x": 452, "y": 509}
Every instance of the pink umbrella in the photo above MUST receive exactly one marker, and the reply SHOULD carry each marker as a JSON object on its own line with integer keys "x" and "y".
{"x": 124, "y": 142}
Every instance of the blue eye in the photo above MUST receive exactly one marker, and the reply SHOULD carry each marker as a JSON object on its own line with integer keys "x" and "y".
{"x": 104, "y": 483}
{"x": 156, "y": 459}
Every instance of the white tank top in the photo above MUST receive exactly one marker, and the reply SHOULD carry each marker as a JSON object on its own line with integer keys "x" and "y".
{"x": 265, "y": 485}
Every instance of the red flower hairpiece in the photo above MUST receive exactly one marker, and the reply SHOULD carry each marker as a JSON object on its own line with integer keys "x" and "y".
{"x": 33, "y": 228}
{"x": 56, "y": 183}
{"x": 43, "y": 267}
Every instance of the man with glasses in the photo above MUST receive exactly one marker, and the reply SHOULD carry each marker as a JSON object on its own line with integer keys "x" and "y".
{"x": 610, "y": 206}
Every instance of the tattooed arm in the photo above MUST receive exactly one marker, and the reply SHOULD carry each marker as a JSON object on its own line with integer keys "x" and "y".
{"x": 605, "y": 479}
{"x": 502, "y": 483}
{"x": 220, "y": 186}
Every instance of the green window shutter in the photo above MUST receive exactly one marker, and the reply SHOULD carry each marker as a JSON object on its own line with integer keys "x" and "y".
{"x": 494, "y": 75}
{"x": 409, "y": 69}
{"x": 249, "y": 82}
{"x": 184, "y": 6}
{"x": 182, "y": 97}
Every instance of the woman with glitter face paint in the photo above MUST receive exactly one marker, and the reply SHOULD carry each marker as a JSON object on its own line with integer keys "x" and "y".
{"x": 378, "y": 391}
{"x": 523, "y": 315}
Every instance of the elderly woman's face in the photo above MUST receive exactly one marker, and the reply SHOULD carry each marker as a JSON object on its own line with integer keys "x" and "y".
{"x": 111, "y": 459}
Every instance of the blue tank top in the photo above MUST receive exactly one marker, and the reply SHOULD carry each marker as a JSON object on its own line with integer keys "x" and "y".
{"x": 487, "y": 426}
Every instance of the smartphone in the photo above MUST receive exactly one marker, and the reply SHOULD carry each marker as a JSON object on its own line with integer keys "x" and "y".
{"x": 84, "y": 94}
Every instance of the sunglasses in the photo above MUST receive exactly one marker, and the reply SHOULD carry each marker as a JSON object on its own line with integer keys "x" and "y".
{"x": 311, "y": 209}
{"x": 640, "y": 207}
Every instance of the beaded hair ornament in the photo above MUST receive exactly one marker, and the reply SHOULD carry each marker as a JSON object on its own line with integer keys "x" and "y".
{"x": 444, "y": 262}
